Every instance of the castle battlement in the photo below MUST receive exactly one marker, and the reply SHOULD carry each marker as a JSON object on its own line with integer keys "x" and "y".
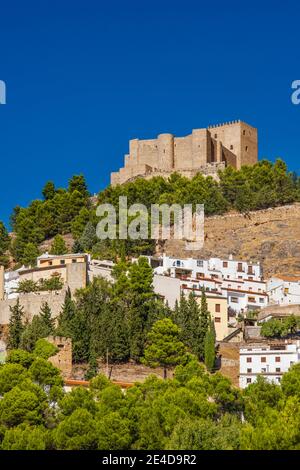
{"x": 205, "y": 150}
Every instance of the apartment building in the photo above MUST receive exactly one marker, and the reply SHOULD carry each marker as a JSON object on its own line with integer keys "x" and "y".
{"x": 284, "y": 290}
{"x": 270, "y": 360}
{"x": 213, "y": 268}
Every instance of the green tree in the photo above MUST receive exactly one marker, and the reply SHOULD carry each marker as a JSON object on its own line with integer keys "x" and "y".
{"x": 25, "y": 437}
{"x": 76, "y": 432}
{"x": 15, "y": 325}
{"x": 46, "y": 318}
{"x": 10, "y": 376}
{"x": 210, "y": 347}
{"x": 58, "y": 246}
{"x": 113, "y": 432}
{"x": 88, "y": 237}
{"x": 49, "y": 191}
{"x": 66, "y": 317}
{"x": 30, "y": 254}
{"x": 44, "y": 349}
{"x": 164, "y": 346}
{"x": 204, "y": 323}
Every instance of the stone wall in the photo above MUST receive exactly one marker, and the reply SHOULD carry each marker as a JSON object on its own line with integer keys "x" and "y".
{"x": 32, "y": 304}
{"x": 63, "y": 359}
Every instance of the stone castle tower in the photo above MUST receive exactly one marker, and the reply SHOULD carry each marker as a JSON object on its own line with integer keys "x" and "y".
{"x": 204, "y": 150}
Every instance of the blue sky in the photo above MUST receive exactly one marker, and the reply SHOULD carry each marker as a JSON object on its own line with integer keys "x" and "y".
{"x": 84, "y": 77}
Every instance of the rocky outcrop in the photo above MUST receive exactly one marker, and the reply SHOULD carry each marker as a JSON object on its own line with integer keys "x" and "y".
{"x": 271, "y": 236}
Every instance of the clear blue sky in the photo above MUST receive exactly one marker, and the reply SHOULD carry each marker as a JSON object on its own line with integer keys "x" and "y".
{"x": 83, "y": 77}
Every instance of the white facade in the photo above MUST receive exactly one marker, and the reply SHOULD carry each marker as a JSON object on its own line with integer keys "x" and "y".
{"x": 11, "y": 284}
{"x": 241, "y": 282}
{"x": 211, "y": 268}
{"x": 269, "y": 360}
{"x": 283, "y": 291}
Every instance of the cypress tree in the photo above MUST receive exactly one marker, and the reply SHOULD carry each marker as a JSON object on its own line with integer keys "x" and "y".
{"x": 204, "y": 323}
{"x": 15, "y": 326}
{"x": 210, "y": 347}
{"x": 46, "y": 318}
{"x": 66, "y": 317}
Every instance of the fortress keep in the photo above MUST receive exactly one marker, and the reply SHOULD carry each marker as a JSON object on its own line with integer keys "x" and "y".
{"x": 204, "y": 150}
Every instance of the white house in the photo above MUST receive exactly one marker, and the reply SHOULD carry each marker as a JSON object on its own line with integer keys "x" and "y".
{"x": 284, "y": 290}
{"x": 214, "y": 268}
{"x": 11, "y": 284}
{"x": 269, "y": 360}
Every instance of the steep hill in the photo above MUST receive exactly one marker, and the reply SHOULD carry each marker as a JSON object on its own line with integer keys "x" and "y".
{"x": 271, "y": 236}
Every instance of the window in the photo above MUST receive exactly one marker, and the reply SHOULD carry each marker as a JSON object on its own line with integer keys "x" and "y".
{"x": 218, "y": 308}
{"x": 199, "y": 275}
{"x": 263, "y": 369}
{"x": 277, "y": 369}
{"x": 240, "y": 267}
{"x": 217, "y": 319}
{"x": 263, "y": 359}
{"x": 249, "y": 371}
{"x": 249, "y": 380}
{"x": 74, "y": 260}
{"x": 251, "y": 299}
{"x": 250, "y": 278}
{"x": 246, "y": 148}
{"x": 249, "y": 359}
{"x": 234, "y": 300}
{"x": 231, "y": 147}
{"x": 216, "y": 136}
{"x": 244, "y": 132}
{"x": 178, "y": 262}
{"x": 225, "y": 264}
{"x": 49, "y": 263}
{"x": 62, "y": 261}
{"x": 199, "y": 263}
{"x": 277, "y": 359}
{"x": 261, "y": 300}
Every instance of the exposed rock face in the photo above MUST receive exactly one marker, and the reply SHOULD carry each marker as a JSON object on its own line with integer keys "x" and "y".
{"x": 271, "y": 236}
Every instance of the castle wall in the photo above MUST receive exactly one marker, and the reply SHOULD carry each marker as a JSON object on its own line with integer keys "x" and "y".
{"x": 32, "y": 304}
{"x": 234, "y": 143}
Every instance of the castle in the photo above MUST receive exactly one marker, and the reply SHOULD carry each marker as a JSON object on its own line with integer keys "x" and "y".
{"x": 204, "y": 150}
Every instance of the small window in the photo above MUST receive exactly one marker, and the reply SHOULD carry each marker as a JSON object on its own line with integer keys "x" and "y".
{"x": 246, "y": 148}
{"x": 216, "y": 136}
{"x": 278, "y": 369}
{"x": 249, "y": 359}
{"x": 200, "y": 263}
{"x": 263, "y": 369}
{"x": 62, "y": 261}
{"x": 231, "y": 147}
{"x": 244, "y": 132}
{"x": 217, "y": 320}
{"x": 277, "y": 359}
{"x": 225, "y": 264}
{"x": 249, "y": 371}
{"x": 234, "y": 300}
{"x": 261, "y": 300}
{"x": 218, "y": 308}
{"x": 74, "y": 260}
{"x": 49, "y": 263}
{"x": 263, "y": 359}
{"x": 249, "y": 380}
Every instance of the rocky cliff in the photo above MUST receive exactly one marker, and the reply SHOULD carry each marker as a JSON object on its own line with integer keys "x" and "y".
{"x": 271, "y": 236}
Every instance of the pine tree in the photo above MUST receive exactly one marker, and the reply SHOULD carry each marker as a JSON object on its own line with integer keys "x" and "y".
{"x": 46, "y": 318}
{"x": 164, "y": 346}
{"x": 66, "y": 317}
{"x": 58, "y": 246}
{"x": 210, "y": 347}
{"x": 88, "y": 237}
{"x": 77, "y": 248}
{"x": 15, "y": 326}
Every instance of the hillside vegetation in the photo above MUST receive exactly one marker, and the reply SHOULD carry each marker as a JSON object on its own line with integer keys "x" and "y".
{"x": 62, "y": 211}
